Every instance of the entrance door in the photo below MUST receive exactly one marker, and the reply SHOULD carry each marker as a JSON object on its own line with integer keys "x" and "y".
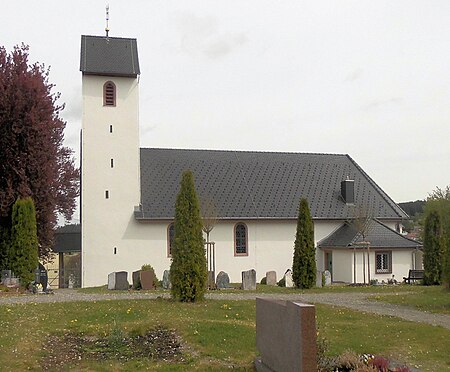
{"x": 329, "y": 262}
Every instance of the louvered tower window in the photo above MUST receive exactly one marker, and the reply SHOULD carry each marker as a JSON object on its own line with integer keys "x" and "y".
{"x": 109, "y": 94}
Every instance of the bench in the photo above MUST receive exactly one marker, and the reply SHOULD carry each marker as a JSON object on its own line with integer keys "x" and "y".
{"x": 413, "y": 275}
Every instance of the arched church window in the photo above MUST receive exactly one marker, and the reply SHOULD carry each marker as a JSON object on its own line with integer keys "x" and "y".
{"x": 109, "y": 94}
{"x": 240, "y": 240}
{"x": 170, "y": 236}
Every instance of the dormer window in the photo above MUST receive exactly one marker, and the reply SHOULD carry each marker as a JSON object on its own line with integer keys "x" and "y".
{"x": 109, "y": 94}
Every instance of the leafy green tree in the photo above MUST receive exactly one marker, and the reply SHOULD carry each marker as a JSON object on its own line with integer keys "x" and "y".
{"x": 438, "y": 201}
{"x": 188, "y": 269}
{"x": 304, "y": 265}
{"x": 33, "y": 160}
{"x": 23, "y": 254}
{"x": 432, "y": 249}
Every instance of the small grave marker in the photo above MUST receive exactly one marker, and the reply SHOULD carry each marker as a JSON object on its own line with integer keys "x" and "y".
{"x": 249, "y": 280}
{"x": 271, "y": 278}
{"x": 223, "y": 280}
{"x": 166, "y": 280}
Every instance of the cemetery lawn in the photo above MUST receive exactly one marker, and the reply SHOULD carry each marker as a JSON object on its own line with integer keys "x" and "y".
{"x": 213, "y": 335}
{"x": 338, "y": 288}
{"x": 435, "y": 299}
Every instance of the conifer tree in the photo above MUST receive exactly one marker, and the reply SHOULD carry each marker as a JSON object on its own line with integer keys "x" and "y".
{"x": 188, "y": 269}
{"x": 23, "y": 253}
{"x": 432, "y": 249}
{"x": 304, "y": 266}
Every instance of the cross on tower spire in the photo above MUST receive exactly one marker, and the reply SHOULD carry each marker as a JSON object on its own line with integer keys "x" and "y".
{"x": 107, "y": 20}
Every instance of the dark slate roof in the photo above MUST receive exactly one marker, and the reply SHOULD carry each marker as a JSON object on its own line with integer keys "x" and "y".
{"x": 68, "y": 239}
{"x": 378, "y": 235}
{"x": 258, "y": 184}
{"x": 112, "y": 56}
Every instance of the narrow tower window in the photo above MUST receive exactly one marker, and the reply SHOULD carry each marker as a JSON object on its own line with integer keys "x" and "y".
{"x": 112, "y": 163}
{"x": 109, "y": 94}
{"x": 110, "y": 129}
{"x": 106, "y": 194}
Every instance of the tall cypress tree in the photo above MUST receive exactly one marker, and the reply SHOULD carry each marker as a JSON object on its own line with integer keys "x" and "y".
{"x": 23, "y": 254}
{"x": 188, "y": 269}
{"x": 304, "y": 265}
{"x": 432, "y": 249}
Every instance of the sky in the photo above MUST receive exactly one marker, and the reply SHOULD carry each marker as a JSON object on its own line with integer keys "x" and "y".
{"x": 366, "y": 78}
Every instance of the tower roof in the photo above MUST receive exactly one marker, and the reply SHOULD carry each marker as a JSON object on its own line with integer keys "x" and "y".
{"x": 112, "y": 56}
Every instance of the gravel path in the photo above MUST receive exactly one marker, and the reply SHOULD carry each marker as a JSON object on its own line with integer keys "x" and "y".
{"x": 355, "y": 301}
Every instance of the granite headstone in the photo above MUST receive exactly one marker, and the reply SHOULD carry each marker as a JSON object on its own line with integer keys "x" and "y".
{"x": 289, "y": 282}
{"x": 249, "y": 280}
{"x": 166, "y": 280}
{"x": 222, "y": 280}
{"x": 327, "y": 275}
{"x": 118, "y": 280}
{"x": 147, "y": 279}
{"x": 135, "y": 279}
{"x": 271, "y": 278}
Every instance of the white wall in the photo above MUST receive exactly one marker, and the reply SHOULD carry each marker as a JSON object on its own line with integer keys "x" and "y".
{"x": 402, "y": 262}
{"x": 270, "y": 248}
{"x": 105, "y": 221}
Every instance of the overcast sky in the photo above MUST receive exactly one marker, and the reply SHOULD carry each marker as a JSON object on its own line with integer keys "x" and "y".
{"x": 366, "y": 78}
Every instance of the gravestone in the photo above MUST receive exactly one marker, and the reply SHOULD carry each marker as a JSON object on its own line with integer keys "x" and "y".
{"x": 327, "y": 275}
{"x": 222, "y": 280}
{"x": 135, "y": 279}
{"x": 118, "y": 280}
{"x": 211, "y": 280}
{"x": 285, "y": 336}
{"x": 71, "y": 281}
{"x": 6, "y": 274}
{"x": 147, "y": 279}
{"x": 289, "y": 282}
{"x": 249, "y": 280}
{"x": 166, "y": 280}
{"x": 41, "y": 276}
{"x": 319, "y": 279}
{"x": 271, "y": 278}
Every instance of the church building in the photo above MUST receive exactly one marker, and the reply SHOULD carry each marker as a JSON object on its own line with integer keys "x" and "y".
{"x": 128, "y": 193}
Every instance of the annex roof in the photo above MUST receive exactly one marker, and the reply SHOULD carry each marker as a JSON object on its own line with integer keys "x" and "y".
{"x": 263, "y": 185}
{"x": 378, "y": 235}
{"x": 68, "y": 239}
{"x": 112, "y": 56}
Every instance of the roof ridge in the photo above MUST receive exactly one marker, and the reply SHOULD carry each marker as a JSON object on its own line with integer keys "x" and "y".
{"x": 395, "y": 231}
{"x": 380, "y": 191}
{"x": 244, "y": 151}
{"x": 109, "y": 37}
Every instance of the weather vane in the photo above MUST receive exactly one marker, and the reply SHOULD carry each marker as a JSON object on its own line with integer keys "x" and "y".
{"x": 107, "y": 20}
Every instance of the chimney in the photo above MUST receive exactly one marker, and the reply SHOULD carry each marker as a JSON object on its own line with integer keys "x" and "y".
{"x": 348, "y": 191}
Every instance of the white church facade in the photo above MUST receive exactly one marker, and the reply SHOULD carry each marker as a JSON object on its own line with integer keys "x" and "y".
{"x": 128, "y": 194}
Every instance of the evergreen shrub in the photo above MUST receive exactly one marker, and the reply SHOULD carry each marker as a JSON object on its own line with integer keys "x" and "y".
{"x": 188, "y": 273}
{"x": 23, "y": 253}
{"x": 304, "y": 264}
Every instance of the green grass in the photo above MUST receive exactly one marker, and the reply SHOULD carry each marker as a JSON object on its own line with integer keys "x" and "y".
{"x": 216, "y": 334}
{"x": 335, "y": 288}
{"x": 434, "y": 299}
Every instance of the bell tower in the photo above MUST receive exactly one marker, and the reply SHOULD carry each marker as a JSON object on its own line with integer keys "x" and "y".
{"x": 110, "y": 186}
